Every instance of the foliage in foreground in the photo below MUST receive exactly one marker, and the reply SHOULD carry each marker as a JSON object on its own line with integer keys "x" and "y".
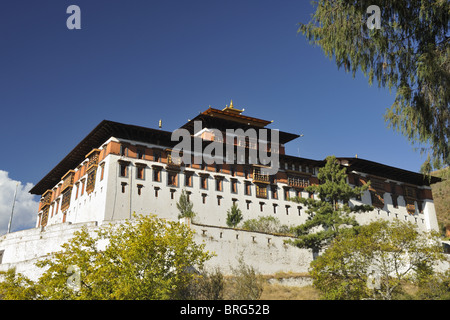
{"x": 382, "y": 256}
{"x": 146, "y": 258}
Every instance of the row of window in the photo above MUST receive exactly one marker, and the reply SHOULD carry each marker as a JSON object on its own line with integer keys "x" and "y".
{"x": 204, "y": 196}
{"x": 173, "y": 179}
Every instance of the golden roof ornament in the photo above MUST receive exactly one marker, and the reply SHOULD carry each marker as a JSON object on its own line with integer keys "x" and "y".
{"x": 232, "y": 109}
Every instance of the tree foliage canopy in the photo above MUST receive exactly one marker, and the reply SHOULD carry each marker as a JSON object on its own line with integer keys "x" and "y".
{"x": 330, "y": 214}
{"x": 234, "y": 216}
{"x": 185, "y": 206}
{"x": 387, "y": 252}
{"x": 410, "y": 53}
{"x": 146, "y": 258}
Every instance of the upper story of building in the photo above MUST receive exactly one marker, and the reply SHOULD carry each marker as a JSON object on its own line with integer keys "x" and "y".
{"x": 119, "y": 169}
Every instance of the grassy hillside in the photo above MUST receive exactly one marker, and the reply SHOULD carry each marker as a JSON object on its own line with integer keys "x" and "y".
{"x": 441, "y": 196}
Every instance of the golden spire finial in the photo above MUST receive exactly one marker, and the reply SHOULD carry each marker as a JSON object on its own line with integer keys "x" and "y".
{"x": 231, "y": 104}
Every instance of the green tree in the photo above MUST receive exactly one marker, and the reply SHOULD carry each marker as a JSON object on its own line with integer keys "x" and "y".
{"x": 185, "y": 206}
{"x": 234, "y": 216}
{"x": 266, "y": 224}
{"x": 245, "y": 284}
{"x": 14, "y": 286}
{"x": 410, "y": 53}
{"x": 330, "y": 214}
{"x": 144, "y": 258}
{"x": 388, "y": 252}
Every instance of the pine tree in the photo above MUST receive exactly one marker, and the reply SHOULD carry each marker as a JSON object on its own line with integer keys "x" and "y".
{"x": 409, "y": 53}
{"x": 330, "y": 214}
{"x": 185, "y": 206}
{"x": 234, "y": 216}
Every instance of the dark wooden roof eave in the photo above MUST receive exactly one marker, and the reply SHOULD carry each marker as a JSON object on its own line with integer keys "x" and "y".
{"x": 284, "y": 137}
{"x": 388, "y": 172}
{"x": 99, "y": 135}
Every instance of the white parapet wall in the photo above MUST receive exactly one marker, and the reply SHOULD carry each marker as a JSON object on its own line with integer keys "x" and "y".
{"x": 267, "y": 253}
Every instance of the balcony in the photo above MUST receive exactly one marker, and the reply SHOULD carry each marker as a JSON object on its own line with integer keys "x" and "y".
{"x": 67, "y": 180}
{"x": 410, "y": 208}
{"x": 65, "y": 203}
{"x": 90, "y": 184}
{"x": 93, "y": 157}
{"x": 46, "y": 198}
{"x": 260, "y": 178}
{"x": 298, "y": 182}
{"x": 173, "y": 163}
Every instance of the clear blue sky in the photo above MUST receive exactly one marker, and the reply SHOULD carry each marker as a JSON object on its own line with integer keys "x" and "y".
{"x": 138, "y": 61}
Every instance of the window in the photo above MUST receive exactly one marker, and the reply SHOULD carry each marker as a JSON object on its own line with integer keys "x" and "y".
{"x": 124, "y": 184}
{"x": 275, "y": 206}
{"x": 274, "y": 190}
{"x": 76, "y": 191}
{"x": 156, "y": 156}
{"x": 287, "y": 209}
{"x": 261, "y": 191}
{"x": 172, "y": 178}
{"x": 57, "y": 206}
{"x": 204, "y": 198}
{"x": 157, "y": 174}
{"x": 156, "y": 192}
{"x": 247, "y": 189}
{"x": 139, "y": 189}
{"x": 140, "y": 153}
{"x": 90, "y": 183}
{"x": 203, "y": 182}
{"x": 218, "y": 200}
{"x": 123, "y": 170}
{"x": 232, "y": 171}
{"x": 1, "y": 255}
{"x": 188, "y": 179}
{"x": 140, "y": 172}
{"x": 286, "y": 193}
{"x": 102, "y": 171}
{"x": 123, "y": 150}
{"x": 172, "y": 194}
{"x": 377, "y": 199}
{"x": 394, "y": 194}
{"x": 248, "y": 204}
{"x": 82, "y": 187}
{"x": 218, "y": 184}
{"x": 299, "y": 208}
{"x": 261, "y": 206}
{"x": 234, "y": 185}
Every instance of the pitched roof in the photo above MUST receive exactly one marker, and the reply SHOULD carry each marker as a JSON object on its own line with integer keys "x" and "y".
{"x": 99, "y": 135}
{"x": 382, "y": 170}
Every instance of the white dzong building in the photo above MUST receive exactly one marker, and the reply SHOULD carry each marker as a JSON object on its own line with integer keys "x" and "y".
{"x": 120, "y": 169}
